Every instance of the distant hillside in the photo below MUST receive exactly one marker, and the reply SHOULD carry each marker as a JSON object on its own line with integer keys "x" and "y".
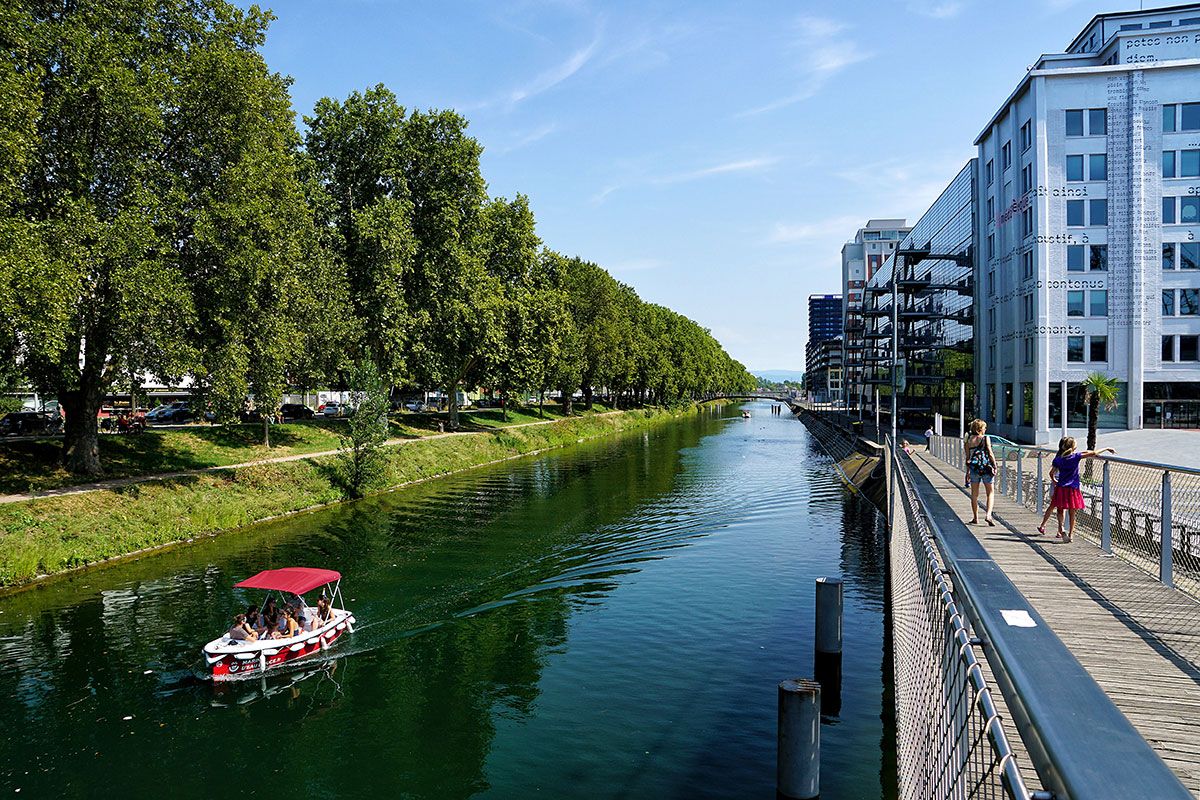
{"x": 779, "y": 375}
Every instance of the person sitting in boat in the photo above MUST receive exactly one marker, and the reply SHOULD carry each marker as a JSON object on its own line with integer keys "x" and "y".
{"x": 241, "y": 631}
{"x": 255, "y": 620}
{"x": 270, "y": 611}
{"x": 304, "y": 616}
{"x": 324, "y": 610}
{"x": 288, "y": 626}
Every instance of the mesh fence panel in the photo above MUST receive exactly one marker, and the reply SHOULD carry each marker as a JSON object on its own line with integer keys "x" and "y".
{"x": 949, "y": 738}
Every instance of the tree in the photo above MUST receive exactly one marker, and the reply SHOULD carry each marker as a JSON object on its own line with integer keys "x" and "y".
{"x": 1098, "y": 390}
{"x": 361, "y": 459}
{"x": 155, "y": 197}
{"x": 454, "y": 301}
{"x": 355, "y": 158}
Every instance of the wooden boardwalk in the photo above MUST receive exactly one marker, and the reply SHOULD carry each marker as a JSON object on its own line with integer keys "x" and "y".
{"x": 1137, "y": 638}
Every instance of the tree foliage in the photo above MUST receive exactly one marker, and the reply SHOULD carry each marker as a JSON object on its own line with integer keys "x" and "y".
{"x": 161, "y": 218}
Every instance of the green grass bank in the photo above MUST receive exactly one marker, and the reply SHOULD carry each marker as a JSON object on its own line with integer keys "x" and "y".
{"x": 55, "y": 534}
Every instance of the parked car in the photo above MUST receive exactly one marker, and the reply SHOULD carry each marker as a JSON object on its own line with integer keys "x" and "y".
{"x": 171, "y": 413}
{"x": 295, "y": 411}
{"x": 23, "y": 423}
{"x": 416, "y": 406}
{"x": 333, "y": 409}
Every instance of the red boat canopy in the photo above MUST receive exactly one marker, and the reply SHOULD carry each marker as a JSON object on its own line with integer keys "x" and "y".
{"x": 296, "y": 580}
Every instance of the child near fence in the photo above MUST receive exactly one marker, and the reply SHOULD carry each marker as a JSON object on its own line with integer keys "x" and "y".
{"x": 1064, "y": 474}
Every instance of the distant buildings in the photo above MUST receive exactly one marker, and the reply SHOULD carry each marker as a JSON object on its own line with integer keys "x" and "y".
{"x": 823, "y": 352}
{"x": 861, "y": 259}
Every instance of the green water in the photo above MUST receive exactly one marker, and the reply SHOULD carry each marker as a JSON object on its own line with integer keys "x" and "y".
{"x": 609, "y": 622}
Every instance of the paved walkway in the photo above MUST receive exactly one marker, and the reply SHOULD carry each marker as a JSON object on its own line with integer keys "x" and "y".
{"x": 1137, "y": 638}
{"x": 116, "y": 483}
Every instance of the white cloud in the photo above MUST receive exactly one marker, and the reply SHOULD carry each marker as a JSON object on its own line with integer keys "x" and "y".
{"x": 545, "y": 80}
{"x": 526, "y": 138}
{"x": 841, "y": 227}
{"x": 724, "y": 168}
{"x": 823, "y": 53}
{"x": 938, "y": 9}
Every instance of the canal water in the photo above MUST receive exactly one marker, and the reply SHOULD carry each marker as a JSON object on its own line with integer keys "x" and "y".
{"x": 608, "y": 622}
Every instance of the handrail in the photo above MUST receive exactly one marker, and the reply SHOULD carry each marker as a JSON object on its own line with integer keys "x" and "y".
{"x": 1032, "y": 448}
{"x": 1079, "y": 742}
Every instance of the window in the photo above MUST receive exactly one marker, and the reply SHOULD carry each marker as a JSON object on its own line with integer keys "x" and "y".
{"x": 1099, "y": 348}
{"x": 1168, "y": 164}
{"x": 1075, "y": 213}
{"x": 991, "y": 282}
{"x": 1098, "y": 121}
{"x": 991, "y": 205}
{"x": 1189, "y": 302}
{"x": 1075, "y": 303}
{"x": 1189, "y": 210}
{"x": 1133, "y": 26}
{"x": 1074, "y": 123}
{"x": 1168, "y": 302}
{"x": 1028, "y": 347}
{"x": 1098, "y": 303}
{"x": 992, "y": 355}
{"x": 1006, "y": 156}
{"x": 1168, "y": 211}
{"x": 1189, "y": 163}
{"x": 1026, "y": 135}
{"x": 1189, "y": 255}
{"x": 991, "y": 246}
{"x": 1075, "y": 349}
{"x": 1168, "y": 119}
{"x": 1074, "y": 168}
{"x": 1098, "y": 211}
{"x": 1190, "y": 21}
{"x": 1027, "y": 304}
{"x": 1026, "y": 222}
{"x": 1189, "y": 348}
{"x": 1026, "y": 178}
{"x": 1075, "y": 257}
{"x": 990, "y": 172}
{"x": 1097, "y": 167}
{"x": 1099, "y": 262}
{"x": 991, "y": 317}
{"x": 1166, "y": 23}
{"x": 1168, "y": 348}
{"x": 1189, "y": 117}
{"x": 1027, "y": 265}
{"x": 1168, "y": 255}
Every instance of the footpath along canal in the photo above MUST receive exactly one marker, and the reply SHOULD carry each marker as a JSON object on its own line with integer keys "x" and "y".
{"x": 608, "y": 621}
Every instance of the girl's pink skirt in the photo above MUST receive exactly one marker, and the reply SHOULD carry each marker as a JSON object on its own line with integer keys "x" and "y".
{"x": 1067, "y": 497}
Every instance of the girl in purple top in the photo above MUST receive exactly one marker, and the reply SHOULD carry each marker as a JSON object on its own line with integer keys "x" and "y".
{"x": 1064, "y": 472}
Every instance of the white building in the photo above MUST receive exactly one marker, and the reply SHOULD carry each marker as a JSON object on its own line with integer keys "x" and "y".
{"x": 861, "y": 259}
{"x": 1089, "y": 230}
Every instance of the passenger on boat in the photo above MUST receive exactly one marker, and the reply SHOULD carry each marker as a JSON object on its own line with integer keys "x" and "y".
{"x": 241, "y": 631}
{"x": 304, "y": 616}
{"x": 324, "y": 610}
{"x": 288, "y": 627}
{"x": 255, "y": 621}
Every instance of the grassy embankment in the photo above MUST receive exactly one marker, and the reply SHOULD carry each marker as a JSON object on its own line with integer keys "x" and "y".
{"x": 33, "y": 466}
{"x": 55, "y": 534}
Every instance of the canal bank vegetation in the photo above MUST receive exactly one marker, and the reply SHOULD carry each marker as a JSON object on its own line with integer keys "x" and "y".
{"x": 55, "y": 534}
{"x": 163, "y": 221}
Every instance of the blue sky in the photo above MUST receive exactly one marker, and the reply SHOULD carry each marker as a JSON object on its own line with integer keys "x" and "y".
{"x": 715, "y": 156}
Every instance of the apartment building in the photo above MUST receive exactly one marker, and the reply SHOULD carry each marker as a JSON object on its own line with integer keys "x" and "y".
{"x": 823, "y": 351}
{"x": 1088, "y": 215}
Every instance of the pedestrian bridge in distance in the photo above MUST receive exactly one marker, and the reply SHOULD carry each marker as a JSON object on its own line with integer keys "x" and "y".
{"x": 1026, "y": 667}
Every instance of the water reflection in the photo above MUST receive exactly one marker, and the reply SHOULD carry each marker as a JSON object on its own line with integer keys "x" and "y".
{"x": 609, "y": 621}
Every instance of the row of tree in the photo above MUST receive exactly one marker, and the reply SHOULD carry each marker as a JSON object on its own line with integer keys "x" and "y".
{"x": 161, "y": 215}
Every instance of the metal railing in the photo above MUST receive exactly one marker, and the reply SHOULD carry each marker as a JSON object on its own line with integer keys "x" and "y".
{"x": 950, "y": 741}
{"x": 1144, "y": 512}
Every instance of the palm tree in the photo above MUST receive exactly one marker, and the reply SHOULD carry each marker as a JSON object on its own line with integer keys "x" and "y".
{"x": 1098, "y": 390}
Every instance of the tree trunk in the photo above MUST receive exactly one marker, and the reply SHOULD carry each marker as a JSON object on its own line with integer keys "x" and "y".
{"x": 81, "y": 434}
{"x": 1093, "y": 421}
{"x": 266, "y": 423}
{"x": 452, "y": 407}
{"x": 504, "y": 404}
{"x": 541, "y": 403}
{"x": 567, "y": 402}
{"x": 587, "y": 397}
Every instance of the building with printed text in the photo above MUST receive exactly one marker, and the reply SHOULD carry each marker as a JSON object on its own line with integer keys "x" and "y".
{"x": 1088, "y": 214}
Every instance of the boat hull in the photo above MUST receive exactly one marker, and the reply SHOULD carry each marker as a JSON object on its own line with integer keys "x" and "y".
{"x": 265, "y": 656}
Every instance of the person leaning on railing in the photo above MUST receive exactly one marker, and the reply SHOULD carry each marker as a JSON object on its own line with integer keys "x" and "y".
{"x": 1064, "y": 473}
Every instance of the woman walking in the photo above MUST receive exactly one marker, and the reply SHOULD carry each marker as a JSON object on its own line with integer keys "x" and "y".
{"x": 981, "y": 468}
{"x": 1064, "y": 472}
